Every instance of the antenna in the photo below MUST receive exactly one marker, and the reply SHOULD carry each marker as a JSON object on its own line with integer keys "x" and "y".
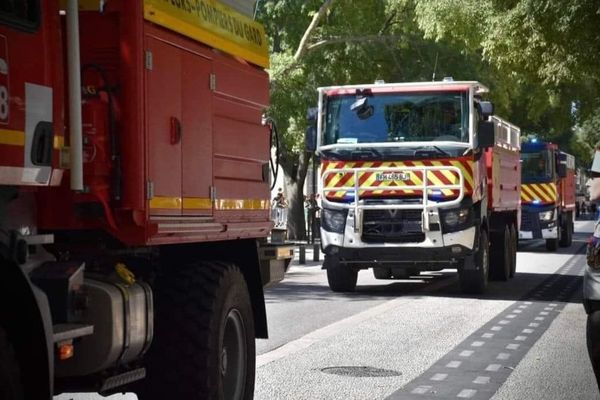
{"x": 435, "y": 66}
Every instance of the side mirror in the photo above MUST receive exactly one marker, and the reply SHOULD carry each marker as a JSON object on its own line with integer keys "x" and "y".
{"x": 311, "y": 115}
{"x": 486, "y": 108}
{"x": 485, "y": 134}
{"x": 310, "y": 139}
{"x": 561, "y": 170}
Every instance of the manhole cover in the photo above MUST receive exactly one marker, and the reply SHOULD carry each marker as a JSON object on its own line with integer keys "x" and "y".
{"x": 361, "y": 372}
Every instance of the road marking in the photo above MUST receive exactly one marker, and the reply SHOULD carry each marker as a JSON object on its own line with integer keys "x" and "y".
{"x": 439, "y": 377}
{"x": 493, "y": 367}
{"x": 482, "y": 380}
{"x": 422, "y": 390}
{"x": 467, "y": 393}
{"x": 345, "y": 324}
{"x": 519, "y": 335}
{"x": 453, "y": 364}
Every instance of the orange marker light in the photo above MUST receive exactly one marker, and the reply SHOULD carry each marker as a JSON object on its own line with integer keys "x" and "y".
{"x": 65, "y": 351}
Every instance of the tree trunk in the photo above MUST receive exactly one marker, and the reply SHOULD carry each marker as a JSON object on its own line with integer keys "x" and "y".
{"x": 294, "y": 170}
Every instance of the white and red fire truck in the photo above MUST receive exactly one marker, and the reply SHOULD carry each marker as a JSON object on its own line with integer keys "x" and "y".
{"x": 416, "y": 177}
{"x": 547, "y": 194}
{"x": 134, "y": 198}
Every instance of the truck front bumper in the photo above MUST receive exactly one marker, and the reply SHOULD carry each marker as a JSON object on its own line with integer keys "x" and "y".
{"x": 436, "y": 252}
{"x": 548, "y": 233}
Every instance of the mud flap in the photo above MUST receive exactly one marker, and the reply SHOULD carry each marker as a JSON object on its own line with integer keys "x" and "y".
{"x": 469, "y": 263}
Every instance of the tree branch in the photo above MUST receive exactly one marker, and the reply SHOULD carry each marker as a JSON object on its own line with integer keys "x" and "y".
{"x": 350, "y": 39}
{"x": 302, "y": 47}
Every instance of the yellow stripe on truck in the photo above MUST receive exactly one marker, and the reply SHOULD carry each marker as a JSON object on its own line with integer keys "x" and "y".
{"x": 213, "y": 23}
{"x": 17, "y": 138}
{"x": 201, "y": 203}
{"x": 545, "y": 192}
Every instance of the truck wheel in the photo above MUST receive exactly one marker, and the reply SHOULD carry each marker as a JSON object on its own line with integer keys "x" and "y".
{"x": 474, "y": 281}
{"x": 500, "y": 255}
{"x": 566, "y": 238}
{"x": 551, "y": 244}
{"x": 204, "y": 335}
{"x": 10, "y": 380}
{"x": 382, "y": 273}
{"x": 341, "y": 278}
{"x": 514, "y": 243}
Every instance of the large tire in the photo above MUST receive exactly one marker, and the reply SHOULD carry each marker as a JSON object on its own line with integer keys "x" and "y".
{"x": 474, "y": 281}
{"x": 551, "y": 244}
{"x": 500, "y": 255}
{"x": 514, "y": 243}
{"x": 341, "y": 278}
{"x": 382, "y": 273}
{"x": 11, "y": 387}
{"x": 566, "y": 238}
{"x": 204, "y": 335}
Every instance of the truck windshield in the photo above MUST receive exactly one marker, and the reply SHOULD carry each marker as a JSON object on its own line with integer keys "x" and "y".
{"x": 535, "y": 167}
{"x": 396, "y": 117}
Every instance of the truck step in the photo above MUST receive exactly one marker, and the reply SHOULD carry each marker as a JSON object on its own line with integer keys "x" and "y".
{"x": 64, "y": 332}
{"x": 123, "y": 379}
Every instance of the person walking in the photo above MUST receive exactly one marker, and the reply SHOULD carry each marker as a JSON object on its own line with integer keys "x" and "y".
{"x": 281, "y": 206}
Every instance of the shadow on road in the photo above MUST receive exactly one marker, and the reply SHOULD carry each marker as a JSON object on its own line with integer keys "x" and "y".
{"x": 524, "y": 286}
{"x": 539, "y": 245}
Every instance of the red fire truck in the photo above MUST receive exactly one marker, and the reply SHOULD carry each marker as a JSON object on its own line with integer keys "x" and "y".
{"x": 547, "y": 194}
{"x": 134, "y": 198}
{"x": 416, "y": 177}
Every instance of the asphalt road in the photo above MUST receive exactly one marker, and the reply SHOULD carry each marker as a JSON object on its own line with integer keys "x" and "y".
{"x": 422, "y": 339}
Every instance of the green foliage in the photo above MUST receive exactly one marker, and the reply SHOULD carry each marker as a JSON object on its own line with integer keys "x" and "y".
{"x": 545, "y": 54}
{"x": 540, "y": 58}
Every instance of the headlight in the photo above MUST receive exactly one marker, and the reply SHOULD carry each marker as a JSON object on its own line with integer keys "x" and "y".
{"x": 547, "y": 215}
{"x": 334, "y": 220}
{"x": 457, "y": 217}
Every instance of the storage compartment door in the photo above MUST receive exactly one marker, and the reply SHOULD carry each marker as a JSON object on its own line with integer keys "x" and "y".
{"x": 164, "y": 127}
{"x": 197, "y": 141}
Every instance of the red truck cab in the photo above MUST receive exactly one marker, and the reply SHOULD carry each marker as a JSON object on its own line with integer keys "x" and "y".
{"x": 415, "y": 177}
{"x": 547, "y": 194}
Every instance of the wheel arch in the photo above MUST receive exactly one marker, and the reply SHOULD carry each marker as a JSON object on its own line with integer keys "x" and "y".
{"x": 244, "y": 254}
{"x": 26, "y": 318}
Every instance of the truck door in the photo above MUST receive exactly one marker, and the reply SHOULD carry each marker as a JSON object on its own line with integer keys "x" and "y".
{"x": 179, "y": 110}
{"x": 197, "y": 146}
{"x": 27, "y": 94}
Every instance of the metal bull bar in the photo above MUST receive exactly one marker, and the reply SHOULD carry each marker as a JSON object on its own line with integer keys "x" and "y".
{"x": 426, "y": 205}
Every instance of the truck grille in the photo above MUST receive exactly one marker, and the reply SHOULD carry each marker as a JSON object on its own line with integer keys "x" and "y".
{"x": 530, "y": 221}
{"x": 395, "y": 226}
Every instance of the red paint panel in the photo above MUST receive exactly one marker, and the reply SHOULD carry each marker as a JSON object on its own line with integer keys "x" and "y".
{"x": 402, "y": 89}
{"x": 163, "y": 103}
{"x": 504, "y": 179}
{"x": 241, "y": 82}
{"x": 196, "y": 136}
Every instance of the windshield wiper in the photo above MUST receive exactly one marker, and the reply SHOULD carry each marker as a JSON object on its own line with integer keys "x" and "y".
{"x": 365, "y": 153}
{"x": 437, "y": 148}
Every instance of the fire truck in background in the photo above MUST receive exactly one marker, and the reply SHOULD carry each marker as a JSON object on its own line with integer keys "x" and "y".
{"x": 416, "y": 177}
{"x": 134, "y": 198}
{"x": 547, "y": 194}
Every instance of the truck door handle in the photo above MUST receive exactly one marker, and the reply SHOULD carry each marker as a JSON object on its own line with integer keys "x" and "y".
{"x": 175, "y": 130}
